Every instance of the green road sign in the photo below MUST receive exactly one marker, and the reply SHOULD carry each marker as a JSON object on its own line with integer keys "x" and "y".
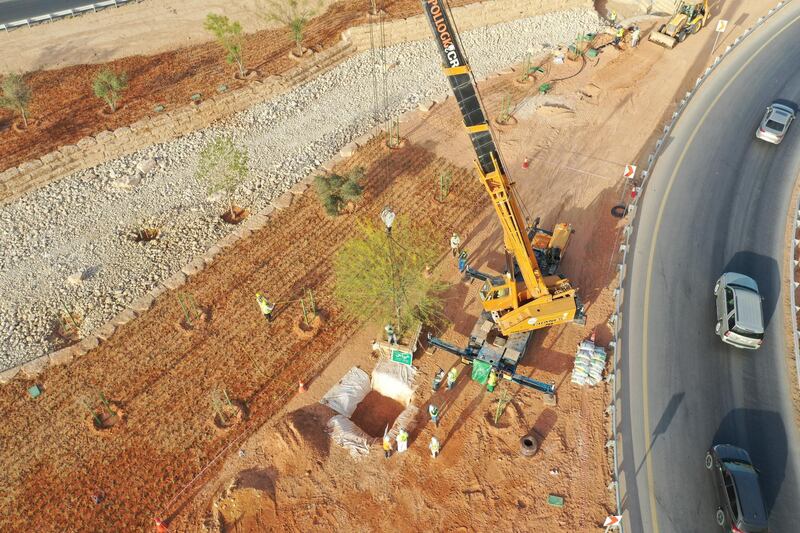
{"x": 399, "y": 356}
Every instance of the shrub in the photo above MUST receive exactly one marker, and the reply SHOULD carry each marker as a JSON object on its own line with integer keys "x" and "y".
{"x": 108, "y": 86}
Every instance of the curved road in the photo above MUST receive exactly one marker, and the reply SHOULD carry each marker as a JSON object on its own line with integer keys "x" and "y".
{"x": 717, "y": 200}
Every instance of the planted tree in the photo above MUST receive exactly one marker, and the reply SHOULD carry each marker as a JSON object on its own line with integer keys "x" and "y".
{"x": 294, "y": 14}
{"x": 221, "y": 403}
{"x": 229, "y": 36}
{"x": 222, "y": 168}
{"x": 380, "y": 276}
{"x": 16, "y": 96}
{"x": 108, "y": 86}
{"x": 335, "y": 190}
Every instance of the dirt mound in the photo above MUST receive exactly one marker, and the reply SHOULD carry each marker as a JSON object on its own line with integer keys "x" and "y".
{"x": 300, "y": 438}
{"x": 375, "y": 413}
{"x": 248, "y": 504}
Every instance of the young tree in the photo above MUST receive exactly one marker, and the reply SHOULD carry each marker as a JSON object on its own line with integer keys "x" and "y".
{"x": 336, "y": 190}
{"x": 229, "y": 36}
{"x": 294, "y": 14}
{"x": 16, "y": 96}
{"x": 108, "y": 86}
{"x": 222, "y": 168}
{"x": 381, "y": 276}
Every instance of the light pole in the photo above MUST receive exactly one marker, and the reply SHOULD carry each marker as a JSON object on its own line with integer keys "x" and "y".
{"x": 388, "y": 216}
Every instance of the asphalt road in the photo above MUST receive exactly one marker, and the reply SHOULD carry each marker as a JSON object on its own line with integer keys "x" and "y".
{"x": 717, "y": 201}
{"x": 13, "y": 10}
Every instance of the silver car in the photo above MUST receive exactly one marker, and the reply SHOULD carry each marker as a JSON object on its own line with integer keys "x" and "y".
{"x": 775, "y": 123}
{"x": 740, "y": 320}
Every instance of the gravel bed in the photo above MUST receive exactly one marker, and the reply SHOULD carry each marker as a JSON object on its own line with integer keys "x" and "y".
{"x": 68, "y": 245}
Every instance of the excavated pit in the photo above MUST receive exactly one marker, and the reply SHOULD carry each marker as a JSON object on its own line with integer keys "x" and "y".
{"x": 375, "y": 412}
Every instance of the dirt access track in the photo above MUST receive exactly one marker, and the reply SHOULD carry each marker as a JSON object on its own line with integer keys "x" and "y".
{"x": 160, "y": 459}
{"x": 64, "y": 107}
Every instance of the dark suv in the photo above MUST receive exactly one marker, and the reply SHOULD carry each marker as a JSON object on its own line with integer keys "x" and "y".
{"x": 741, "y": 507}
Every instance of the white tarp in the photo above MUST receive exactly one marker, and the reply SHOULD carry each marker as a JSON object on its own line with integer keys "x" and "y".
{"x": 406, "y": 420}
{"x": 394, "y": 380}
{"x": 348, "y": 393}
{"x": 348, "y": 435}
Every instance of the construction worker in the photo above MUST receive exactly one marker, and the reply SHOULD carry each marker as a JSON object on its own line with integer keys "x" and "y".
{"x": 611, "y": 15}
{"x": 437, "y": 379}
{"x": 635, "y": 36}
{"x": 619, "y": 36}
{"x": 462, "y": 261}
{"x": 161, "y": 527}
{"x": 434, "y": 447}
{"x": 451, "y": 378}
{"x": 390, "y": 336}
{"x": 455, "y": 242}
{"x": 434, "y": 412}
{"x": 491, "y": 383}
{"x": 387, "y": 446}
{"x": 265, "y": 305}
{"x": 402, "y": 440}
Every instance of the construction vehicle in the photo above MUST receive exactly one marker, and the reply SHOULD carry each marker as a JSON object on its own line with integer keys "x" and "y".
{"x": 530, "y": 295}
{"x": 689, "y": 17}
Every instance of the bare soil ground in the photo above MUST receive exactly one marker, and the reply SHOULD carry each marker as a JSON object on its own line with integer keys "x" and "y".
{"x": 163, "y": 375}
{"x": 66, "y": 110}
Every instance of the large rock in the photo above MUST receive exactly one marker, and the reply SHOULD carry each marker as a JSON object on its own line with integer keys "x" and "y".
{"x": 146, "y": 166}
{"x": 7, "y": 375}
{"x": 63, "y": 356}
{"x": 31, "y": 369}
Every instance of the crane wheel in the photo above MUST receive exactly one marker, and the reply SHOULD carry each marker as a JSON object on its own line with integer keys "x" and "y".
{"x": 619, "y": 210}
{"x": 529, "y": 445}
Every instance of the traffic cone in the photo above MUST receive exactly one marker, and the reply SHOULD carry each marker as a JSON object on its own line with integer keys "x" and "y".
{"x": 526, "y": 163}
{"x": 161, "y": 527}
{"x": 301, "y": 387}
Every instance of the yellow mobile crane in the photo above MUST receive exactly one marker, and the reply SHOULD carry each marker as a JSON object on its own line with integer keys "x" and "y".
{"x": 529, "y": 295}
{"x": 523, "y": 299}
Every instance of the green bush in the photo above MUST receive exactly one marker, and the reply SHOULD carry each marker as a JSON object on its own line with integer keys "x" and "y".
{"x": 229, "y": 36}
{"x": 108, "y": 86}
{"x": 16, "y": 95}
{"x": 335, "y": 190}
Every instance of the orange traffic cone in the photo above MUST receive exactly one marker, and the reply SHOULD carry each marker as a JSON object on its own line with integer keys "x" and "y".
{"x": 301, "y": 387}
{"x": 161, "y": 527}
{"x": 526, "y": 163}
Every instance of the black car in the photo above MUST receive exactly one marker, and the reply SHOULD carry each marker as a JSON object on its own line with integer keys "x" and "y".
{"x": 741, "y": 507}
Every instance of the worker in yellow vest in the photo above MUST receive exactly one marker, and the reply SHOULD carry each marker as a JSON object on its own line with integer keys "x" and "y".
{"x": 402, "y": 440}
{"x": 387, "y": 446}
{"x": 491, "y": 383}
{"x": 451, "y": 378}
{"x": 619, "y": 36}
{"x": 265, "y": 305}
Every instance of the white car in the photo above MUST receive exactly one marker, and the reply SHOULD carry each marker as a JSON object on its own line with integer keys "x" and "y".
{"x": 775, "y": 123}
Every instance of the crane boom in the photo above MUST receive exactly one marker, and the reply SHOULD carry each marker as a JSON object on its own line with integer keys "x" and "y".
{"x": 534, "y": 301}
